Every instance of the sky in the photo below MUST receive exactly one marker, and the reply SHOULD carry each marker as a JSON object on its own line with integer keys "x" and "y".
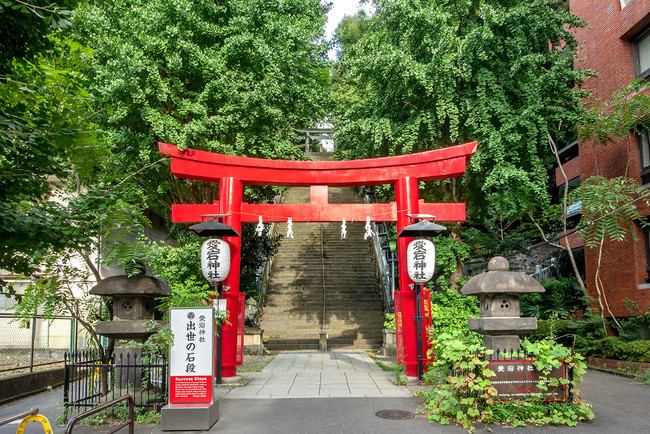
{"x": 340, "y": 8}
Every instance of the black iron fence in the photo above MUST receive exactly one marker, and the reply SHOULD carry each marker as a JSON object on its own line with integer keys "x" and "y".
{"x": 92, "y": 378}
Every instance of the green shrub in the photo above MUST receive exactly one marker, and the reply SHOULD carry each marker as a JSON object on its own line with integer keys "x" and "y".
{"x": 561, "y": 297}
{"x": 614, "y": 347}
{"x": 637, "y": 320}
{"x": 586, "y": 332}
{"x": 611, "y": 347}
{"x": 556, "y": 329}
{"x": 638, "y": 351}
{"x": 467, "y": 397}
{"x": 390, "y": 321}
{"x": 449, "y": 313}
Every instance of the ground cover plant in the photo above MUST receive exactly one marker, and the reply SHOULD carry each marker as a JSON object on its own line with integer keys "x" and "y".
{"x": 461, "y": 391}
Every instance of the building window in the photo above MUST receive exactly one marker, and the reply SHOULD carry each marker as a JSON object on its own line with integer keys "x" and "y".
{"x": 644, "y": 151}
{"x": 624, "y": 3}
{"x": 641, "y": 54}
{"x": 569, "y": 152}
{"x": 574, "y": 209}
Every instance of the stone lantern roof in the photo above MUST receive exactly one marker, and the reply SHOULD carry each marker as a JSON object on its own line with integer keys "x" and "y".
{"x": 133, "y": 305}
{"x": 134, "y": 285}
{"x": 498, "y": 291}
{"x": 498, "y": 280}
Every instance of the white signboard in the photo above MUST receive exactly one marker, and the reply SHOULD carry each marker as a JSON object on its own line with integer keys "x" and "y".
{"x": 219, "y": 305}
{"x": 191, "y": 356}
{"x": 215, "y": 260}
{"x": 421, "y": 260}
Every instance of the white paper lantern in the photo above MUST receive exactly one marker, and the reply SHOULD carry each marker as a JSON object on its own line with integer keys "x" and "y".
{"x": 421, "y": 260}
{"x": 215, "y": 260}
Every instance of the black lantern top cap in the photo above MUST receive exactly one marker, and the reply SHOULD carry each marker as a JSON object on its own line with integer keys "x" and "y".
{"x": 424, "y": 228}
{"x": 212, "y": 228}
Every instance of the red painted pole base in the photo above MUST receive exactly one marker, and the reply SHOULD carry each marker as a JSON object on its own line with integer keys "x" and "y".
{"x": 406, "y": 332}
{"x": 228, "y": 371}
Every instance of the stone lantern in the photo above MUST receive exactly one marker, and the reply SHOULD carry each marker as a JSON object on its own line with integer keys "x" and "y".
{"x": 498, "y": 291}
{"x": 133, "y": 305}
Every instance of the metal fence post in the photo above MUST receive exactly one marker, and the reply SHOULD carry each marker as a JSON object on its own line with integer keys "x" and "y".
{"x": 66, "y": 384}
{"x": 31, "y": 359}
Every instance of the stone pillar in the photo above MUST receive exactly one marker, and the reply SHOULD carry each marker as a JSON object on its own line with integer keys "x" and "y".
{"x": 498, "y": 291}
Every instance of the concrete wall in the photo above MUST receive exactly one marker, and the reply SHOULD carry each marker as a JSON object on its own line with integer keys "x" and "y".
{"x": 21, "y": 385}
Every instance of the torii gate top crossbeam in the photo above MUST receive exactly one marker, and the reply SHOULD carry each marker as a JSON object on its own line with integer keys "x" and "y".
{"x": 425, "y": 166}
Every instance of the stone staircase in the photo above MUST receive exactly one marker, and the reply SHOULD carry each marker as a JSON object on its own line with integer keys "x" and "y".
{"x": 299, "y": 305}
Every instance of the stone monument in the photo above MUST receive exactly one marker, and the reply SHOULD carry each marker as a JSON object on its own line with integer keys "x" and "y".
{"x": 133, "y": 305}
{"x": 133, "y": 316}
{"x": 498, "y": 291}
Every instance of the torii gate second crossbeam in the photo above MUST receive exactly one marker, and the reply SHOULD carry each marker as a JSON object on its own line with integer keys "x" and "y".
{"x": 403, "y": 171}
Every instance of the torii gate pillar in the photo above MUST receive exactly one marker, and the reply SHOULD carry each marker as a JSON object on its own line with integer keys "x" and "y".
{"x": 231, "y": 192}
{"x": 406, "y": 197}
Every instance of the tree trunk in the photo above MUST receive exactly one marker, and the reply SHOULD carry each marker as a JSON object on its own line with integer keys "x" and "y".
{"x": 565, "y": 208}
{"x": 454, "y": 278}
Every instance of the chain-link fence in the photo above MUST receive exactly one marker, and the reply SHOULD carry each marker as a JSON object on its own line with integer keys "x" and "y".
{"x": 37, "y": 342}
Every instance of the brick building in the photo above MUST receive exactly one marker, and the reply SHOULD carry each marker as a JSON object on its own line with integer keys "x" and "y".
{"x": 616, "y": 44}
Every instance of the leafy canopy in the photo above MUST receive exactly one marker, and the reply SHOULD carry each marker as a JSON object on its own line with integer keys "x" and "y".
{"x": 431, "y": 74}
{"x": 231, "y": 77}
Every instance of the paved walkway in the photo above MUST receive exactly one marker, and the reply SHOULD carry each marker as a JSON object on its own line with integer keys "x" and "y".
{"x": 315, "y": 374}
{"x": 620, "y": 404}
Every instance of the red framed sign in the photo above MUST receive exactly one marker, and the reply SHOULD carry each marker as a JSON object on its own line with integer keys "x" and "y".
{"x": 518, "y": 380}
{"x": 191, "y": 355}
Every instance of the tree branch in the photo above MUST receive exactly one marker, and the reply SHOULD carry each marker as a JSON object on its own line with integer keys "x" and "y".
{"x": 565, "y": 205}
{"x": 140, "y": 170}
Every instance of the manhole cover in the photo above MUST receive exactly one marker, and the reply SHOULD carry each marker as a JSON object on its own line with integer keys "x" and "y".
{"x": 395, "y": 414}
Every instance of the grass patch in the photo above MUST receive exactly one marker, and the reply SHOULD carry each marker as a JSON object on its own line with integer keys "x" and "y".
{"x": 391, "y": 366}
{"x": 388, "y": 366}
{"x": 255, "y": 363}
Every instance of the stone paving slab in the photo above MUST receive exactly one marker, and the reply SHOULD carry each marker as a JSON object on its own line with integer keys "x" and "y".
{"x": 620, "y": 404}
{"x": 315, "y": 374}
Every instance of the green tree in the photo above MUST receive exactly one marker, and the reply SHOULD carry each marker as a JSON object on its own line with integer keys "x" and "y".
{"x": 432, "y": 74}
{"x": 235, "y": 77}
{"x": 47, "y": 136}
{"x": 56, "y": 207}
{"x": 232, "y": 77}
{"x": 26, "y": 25}
{"x": 609, "y": 206}
{"x": 350, "y": 31}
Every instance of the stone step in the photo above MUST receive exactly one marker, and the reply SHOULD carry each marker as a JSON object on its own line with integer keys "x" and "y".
{"x": 300, "y": 294}
{"x": 316, "y": 304}
{"x": 294, "y": 302}
{"x": 279, "y": 345}
{"x": 357, "y": 319}
{"x": 289, "y": 306}
{"x": 335, "y": 343}
{"x": 304, "y": 258}
{"x": 313, "y": 333}
{"x": 299, "y": 291}
{"x": 359, "y": 287}
{"x": 299, "y": 326}
{"x": 312, "y": 343}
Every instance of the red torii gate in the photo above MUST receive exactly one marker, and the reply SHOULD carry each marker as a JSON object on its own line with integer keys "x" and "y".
{"x": 404, "y": 171}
